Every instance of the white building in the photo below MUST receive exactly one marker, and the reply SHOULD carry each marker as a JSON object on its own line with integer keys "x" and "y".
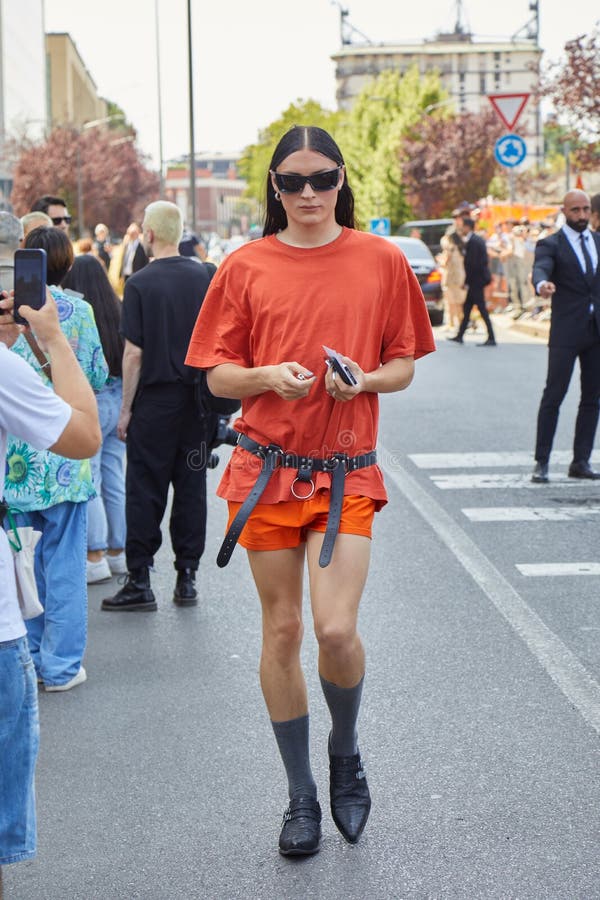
{"x": 469, "y": 71}
{"x": 23, "y": 94}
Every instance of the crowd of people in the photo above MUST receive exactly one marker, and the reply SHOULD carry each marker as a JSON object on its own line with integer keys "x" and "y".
{"x": 510, "y": 246}
{"x": 120, "y": 400}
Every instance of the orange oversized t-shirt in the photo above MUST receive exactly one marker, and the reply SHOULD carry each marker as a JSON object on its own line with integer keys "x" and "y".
{"x": 270, "y": 303}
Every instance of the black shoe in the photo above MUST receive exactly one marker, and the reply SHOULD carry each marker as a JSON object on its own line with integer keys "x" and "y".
{"x": 349, "y": 795}
{"x": 582, "y": 469}
{"x": 489, "y": 343}
{"x": 136, "y": 593}
{"x": 457, "y": 339}
{"x": 301, "y": 829}
{"x": 540, "y": 473}
{"x": 185, "y": 593}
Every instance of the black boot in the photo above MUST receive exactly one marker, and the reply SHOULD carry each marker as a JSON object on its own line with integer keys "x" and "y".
{"x": 185, "y": 593}
{"x": 349, "y": 795}
{"x": 136, "y": 593}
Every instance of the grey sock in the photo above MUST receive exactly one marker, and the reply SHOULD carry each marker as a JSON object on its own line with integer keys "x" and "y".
{"x": 343, "y": 704}
{"x": 292, "y": 740}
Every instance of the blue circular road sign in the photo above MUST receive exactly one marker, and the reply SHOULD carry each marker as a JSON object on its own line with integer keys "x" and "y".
{"x": 510, "y": 150}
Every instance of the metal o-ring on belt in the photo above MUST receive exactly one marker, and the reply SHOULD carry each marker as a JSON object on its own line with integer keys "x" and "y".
{"x": 274, "y": 457}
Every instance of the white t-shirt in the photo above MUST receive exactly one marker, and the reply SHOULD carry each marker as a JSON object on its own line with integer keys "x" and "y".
{"x": 34, "y": 413}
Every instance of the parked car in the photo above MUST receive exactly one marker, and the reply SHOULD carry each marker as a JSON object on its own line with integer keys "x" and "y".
{"x": 430, "y": 231}
{"x": 426, "y": 269}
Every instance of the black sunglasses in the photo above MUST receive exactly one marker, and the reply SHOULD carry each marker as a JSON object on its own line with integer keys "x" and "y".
{"x": 320, "y": 181}
{"x": 56, "y": 220}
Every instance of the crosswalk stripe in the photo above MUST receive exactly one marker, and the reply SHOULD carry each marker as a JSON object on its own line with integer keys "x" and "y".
{"x": 489, "y": 460}
{"x": 531, "y": 513}
{"x": 554, "y": 569}
{"x": 561, "y": 664}
{"x": 501, "y": 481}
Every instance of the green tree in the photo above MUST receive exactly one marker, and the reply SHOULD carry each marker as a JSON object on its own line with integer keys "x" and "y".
{"x": 383, "y": 114}
{"x": 255, "y": 159}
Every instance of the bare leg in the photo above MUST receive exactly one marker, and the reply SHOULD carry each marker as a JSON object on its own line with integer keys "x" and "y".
{"x": 335, "y": 596}
{"x": 278, "y": 578}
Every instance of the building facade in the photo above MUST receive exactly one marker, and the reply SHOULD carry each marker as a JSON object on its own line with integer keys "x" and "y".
{"x": 219, "y": 189}
{"x": 23, "y": 91}
{"x": 74, "y": 96}
{"x": 469, "y": 70}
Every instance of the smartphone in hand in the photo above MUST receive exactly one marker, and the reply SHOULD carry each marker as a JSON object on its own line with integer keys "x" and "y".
{"x": 339, "y": 366}
{"x": 30, "y": 281}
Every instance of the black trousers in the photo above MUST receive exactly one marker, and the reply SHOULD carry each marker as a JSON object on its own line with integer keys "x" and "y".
{"x": 475, "y": 298}
{"x": 166, "y": 444}
{"x": 561, "y": 361}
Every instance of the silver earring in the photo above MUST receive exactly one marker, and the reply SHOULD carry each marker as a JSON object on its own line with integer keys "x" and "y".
{"x": 277, "y": 196}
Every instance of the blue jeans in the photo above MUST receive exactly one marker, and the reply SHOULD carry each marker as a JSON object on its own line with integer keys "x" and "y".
{"x": 106, "y": 512}
{"x": 58, "y": 637}
{"x": 19, "y": 742}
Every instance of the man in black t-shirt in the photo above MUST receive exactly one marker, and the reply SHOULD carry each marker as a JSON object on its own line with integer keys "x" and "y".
{"x": 167, "y": 440}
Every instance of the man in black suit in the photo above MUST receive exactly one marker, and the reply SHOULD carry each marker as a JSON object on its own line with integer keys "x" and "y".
{"x": 477, "y": 277}
{"x": 566, "y": 269}
{"x": 134, "y": 256}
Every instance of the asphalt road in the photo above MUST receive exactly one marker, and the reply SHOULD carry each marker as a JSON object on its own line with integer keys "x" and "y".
{"x": 159, "y": 778}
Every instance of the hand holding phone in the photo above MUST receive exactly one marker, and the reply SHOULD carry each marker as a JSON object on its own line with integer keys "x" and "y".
{"x": 339, "y": 366}
{"x": 30, "y": 281}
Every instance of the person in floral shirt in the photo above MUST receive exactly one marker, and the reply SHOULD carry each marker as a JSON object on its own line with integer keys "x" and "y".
{"x": 51, "y": 492}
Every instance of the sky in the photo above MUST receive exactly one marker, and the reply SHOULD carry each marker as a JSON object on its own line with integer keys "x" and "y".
{"x": 252, "y": 58}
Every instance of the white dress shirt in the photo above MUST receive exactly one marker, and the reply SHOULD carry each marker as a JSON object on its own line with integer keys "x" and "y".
{"x": 574, "y": 238}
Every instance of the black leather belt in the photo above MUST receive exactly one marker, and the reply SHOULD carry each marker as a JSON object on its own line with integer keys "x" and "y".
{"x": 274, "y": 457}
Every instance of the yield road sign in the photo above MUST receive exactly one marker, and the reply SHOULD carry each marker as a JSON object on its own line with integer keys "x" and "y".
{"x": 509, "y": 107}
{"x": 510, "y": 150}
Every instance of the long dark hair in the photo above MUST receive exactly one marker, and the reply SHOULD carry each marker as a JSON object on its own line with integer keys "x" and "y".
{"x": 59, "y": 251}
{"x": 307, "y": 137}
{"x": 88, "y": 276}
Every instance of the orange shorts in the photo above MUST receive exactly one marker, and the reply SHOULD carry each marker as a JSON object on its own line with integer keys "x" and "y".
{"x": 282, "y": 526}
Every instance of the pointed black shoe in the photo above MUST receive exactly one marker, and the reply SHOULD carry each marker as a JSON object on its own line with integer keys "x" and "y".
{"x": 582, "y": 469}
{"x": 185, "y": 593}
{"x": 489, "y": 343}
{"x": 349, "y": 795}
{"x": 457, "y": 339}
{"x": 301, "y": 828}
{"x": 135, "y": 595}
{"x": 540, "y": 473}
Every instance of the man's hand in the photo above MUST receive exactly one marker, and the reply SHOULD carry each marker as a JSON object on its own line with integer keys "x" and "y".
{"x": 546, "y": 289}
{"x": 337, "y": 388}
{"x": 290, "y": 380}
{"x": 9, "y": 331}
{"x": 123, "y": 424}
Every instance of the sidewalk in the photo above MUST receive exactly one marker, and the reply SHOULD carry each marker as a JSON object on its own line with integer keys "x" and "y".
{"x": 533, "y": 325}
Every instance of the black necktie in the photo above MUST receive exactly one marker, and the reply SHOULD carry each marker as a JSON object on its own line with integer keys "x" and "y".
{"x": 589, "y": 268}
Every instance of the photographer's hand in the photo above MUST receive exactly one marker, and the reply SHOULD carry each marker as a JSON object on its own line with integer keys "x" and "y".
{"x": 44, "y": 323}
{"x": 9, "y": 331}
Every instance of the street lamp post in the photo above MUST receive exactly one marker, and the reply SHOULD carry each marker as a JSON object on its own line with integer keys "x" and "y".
{"x": 93, "y": 123}
{"x": 158, "y": 91}
{"x": 192, "y": 223}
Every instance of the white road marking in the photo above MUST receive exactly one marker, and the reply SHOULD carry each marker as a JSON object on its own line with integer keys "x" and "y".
{"x": 501, "y": 481}
{"x": 541, "y": 570}
{"x": 490, "y": 460}
{"x": 531, "y": 513}
{"x": 558, "y": 661}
